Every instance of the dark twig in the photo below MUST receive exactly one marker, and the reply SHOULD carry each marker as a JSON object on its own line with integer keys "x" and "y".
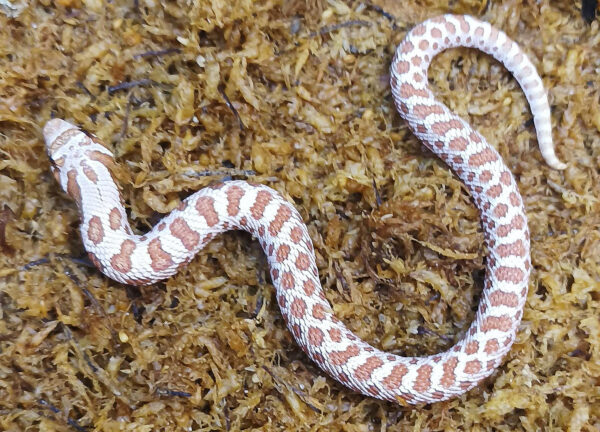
{"x": 94, "y": 301}
{"x": 157, "y": 53}
{"x": 85, "y": 291}
{"x": 35, "y": 263}
{"x": 423, "y": 330}
{"x": 434, "y": 297}
{"x": 85, "y": 89}
{"x": 334, "y": 27}
{"x": 55, "y": 410}
{"x": 226, "y": 415}
{"x": 49, "y": 406}
{"x": 340, "y": 277}
{"x": 6, "y": 214}
{"x": 73, "y": 277}
{"x": 69, "y": 335}
{"x": 129, "y": 84}
{"x": 259, "y": 304}
{"x": 366, "y": 249}
{"x": 126, "y": 118}
{"x": 377, "y": 196}
{"x": 176, "y": 393}
{"x": 228, "y": 172}
{"x": 232, "y": 108}
{"x": 385, "y": 14}
{"x": 81, "y": 261}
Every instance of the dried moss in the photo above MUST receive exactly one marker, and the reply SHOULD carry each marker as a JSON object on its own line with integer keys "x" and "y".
{"x": 298, "y": 93}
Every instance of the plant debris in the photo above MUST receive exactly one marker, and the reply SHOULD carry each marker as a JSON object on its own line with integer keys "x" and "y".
{"x": 294, "y": 95}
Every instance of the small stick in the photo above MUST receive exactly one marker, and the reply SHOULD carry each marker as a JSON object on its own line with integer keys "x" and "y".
{"x": 85, "y": 89}
{"x": 226, "y": 415}
{"x": 334, "y": 27}
{"x": 377, "y": 196}
{"x": 167, "y": 392}
{"x": 55, "y": 410}
{"x": 129, "y": 84}
{"x": 6, "y": 214}
{"x": 157, "y": 53}
{"x": 384, "y": 13}
{"x": 126, "y": 118}
{"x": 340, "y": 277}
{"x": 94, "y": 301}
{"x": 81, "y": 261}
{"x": 423, "y": 330}
{"x": 228, "y": 172}
{"x": 232, "y": 108}
{"x": 259, "y": 304}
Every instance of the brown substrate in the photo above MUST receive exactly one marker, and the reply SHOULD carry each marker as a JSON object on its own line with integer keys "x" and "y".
{"x": 294, "y": 95}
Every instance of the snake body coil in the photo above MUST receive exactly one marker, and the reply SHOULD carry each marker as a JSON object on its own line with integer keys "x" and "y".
{"x": 83, "y": 168}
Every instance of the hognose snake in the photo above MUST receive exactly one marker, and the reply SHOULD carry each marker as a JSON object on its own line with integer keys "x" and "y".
{"x": 83, "y": 167}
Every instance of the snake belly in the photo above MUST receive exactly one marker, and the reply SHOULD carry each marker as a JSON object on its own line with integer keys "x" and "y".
{"x": 82, "y": 165}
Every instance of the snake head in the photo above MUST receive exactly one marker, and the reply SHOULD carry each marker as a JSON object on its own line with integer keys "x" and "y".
{"x": 57, "y": 133}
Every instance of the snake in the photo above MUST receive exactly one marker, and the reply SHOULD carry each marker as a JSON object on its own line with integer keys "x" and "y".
{"x": 84, "y": 168}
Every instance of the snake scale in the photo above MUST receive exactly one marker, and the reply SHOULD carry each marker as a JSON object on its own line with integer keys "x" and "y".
{"x": 82, "y": 165}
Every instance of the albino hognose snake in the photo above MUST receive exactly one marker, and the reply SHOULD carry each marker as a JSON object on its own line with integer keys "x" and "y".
{"x": 83, "y": 167}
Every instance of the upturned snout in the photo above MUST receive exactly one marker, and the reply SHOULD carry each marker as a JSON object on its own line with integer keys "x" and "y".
{"x": 54, "y": 135}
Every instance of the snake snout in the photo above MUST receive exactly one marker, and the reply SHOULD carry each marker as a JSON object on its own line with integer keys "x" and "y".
{"x": 53, "y": 132}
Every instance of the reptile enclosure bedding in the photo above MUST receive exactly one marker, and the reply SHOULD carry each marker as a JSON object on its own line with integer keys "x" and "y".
{"x": 294, "y": 95}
